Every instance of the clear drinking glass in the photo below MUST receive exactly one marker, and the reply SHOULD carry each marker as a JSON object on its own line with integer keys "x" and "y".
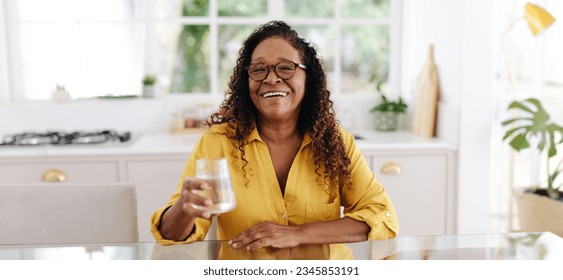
{"x": 216, "y": 173}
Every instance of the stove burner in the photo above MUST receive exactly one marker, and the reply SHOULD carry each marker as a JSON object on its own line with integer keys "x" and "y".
{"x": 62, "y": 138}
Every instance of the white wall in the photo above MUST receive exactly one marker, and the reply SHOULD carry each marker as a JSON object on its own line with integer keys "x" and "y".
{"x": 136, "y": 115}
{"x": 461, "y": 33}
{"x": 476, "y": 116}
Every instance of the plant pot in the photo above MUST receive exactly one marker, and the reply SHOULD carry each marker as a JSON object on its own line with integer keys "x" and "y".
{"x": 149, "y": 91}
{"x": 386, "y": 121}
{"x": 538, "y": 212}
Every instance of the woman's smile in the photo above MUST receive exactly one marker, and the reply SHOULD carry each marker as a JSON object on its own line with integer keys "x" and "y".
{"x": 271, "y": 94}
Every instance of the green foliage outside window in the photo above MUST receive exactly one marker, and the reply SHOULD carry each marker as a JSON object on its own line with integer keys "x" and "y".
{"x": 309, "y": 9}
{"x": 191, "y": 71}
{"x": 365, "y": 8}
{"x": 242, "y": 8}
{"x": 195, "y": 8}
{"x": 364, "y": 49}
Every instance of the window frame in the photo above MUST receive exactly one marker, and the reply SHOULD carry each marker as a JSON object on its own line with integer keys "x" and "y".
{"x": 14, "y": 90}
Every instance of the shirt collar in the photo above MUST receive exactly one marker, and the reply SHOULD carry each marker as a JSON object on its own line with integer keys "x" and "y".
{"x": 255, "y": 136}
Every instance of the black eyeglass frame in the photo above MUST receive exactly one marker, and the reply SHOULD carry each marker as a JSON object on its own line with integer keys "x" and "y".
{"x": 274, "y": 66}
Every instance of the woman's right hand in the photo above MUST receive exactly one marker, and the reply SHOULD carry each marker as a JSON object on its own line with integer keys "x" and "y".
{"x": 192, "y": 203}
{"x": 178, "y": 221}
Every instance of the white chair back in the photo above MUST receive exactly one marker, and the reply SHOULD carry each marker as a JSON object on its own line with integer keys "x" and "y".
{"x": 66, "y": 214}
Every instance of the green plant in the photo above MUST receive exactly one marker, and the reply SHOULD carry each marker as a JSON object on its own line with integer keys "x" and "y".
{"x": 386, "y": 105}
{"x": 535, "y": 122}
{"x": 149, "y": 80}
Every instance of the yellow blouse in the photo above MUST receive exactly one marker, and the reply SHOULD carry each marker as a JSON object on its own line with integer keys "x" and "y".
{"x": 259, "y": 197}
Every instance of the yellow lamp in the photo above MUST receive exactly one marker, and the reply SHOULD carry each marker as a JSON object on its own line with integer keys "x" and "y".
{"x": 538, "y": 19}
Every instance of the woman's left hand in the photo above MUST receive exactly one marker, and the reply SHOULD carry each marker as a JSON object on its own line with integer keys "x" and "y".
{"x": 267, "y": 234}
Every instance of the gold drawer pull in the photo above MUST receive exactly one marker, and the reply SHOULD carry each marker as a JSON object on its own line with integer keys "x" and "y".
{"x": 391, "y": 168}
{"x": 53, "y": 176}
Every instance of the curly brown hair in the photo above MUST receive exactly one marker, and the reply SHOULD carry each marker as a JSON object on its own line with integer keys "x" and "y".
{"x": 316, "y": 117}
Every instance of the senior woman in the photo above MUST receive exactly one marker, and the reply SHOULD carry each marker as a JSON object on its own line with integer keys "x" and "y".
{"x": 292, "y": 166}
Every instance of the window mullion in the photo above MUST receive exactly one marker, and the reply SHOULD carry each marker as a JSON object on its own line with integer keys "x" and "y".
{"x": 150, "y": 46}
{"x": 337, "y": 46}
{"x": 214, "y": 54}
{"x": 395, "y": 39}
{"x": 276, "y": 9}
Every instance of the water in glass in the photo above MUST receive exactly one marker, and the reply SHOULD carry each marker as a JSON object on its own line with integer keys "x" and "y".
{"x": 216, "y": 173}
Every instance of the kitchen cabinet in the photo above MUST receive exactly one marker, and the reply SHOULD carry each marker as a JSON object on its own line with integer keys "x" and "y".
{"x": 417, "y": 173}
{"x": 420, "y": 185}
{"x": 156, "y": 179}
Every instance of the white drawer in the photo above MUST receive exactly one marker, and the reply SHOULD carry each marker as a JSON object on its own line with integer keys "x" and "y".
{"x": 73, "y": 172}
{"x": 418, "y": 191}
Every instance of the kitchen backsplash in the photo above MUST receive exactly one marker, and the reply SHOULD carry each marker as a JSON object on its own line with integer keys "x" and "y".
{"x": 138, "y": 114}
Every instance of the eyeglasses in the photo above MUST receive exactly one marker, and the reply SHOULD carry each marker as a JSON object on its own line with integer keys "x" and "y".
{"x": 283, "y": 69}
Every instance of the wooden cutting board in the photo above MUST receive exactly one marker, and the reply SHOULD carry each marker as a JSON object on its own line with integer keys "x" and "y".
{"x": 426, "y": 98}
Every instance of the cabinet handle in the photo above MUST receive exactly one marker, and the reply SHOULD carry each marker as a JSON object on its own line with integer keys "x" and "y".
{"x": 53, "y": 176}
{"x": 391, "y": 168}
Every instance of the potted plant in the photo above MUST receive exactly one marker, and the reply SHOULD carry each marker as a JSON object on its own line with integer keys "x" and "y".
{"x": 538, "y": 203}
{"x": 149, "y": 86}
{"x": 387, "y": 113}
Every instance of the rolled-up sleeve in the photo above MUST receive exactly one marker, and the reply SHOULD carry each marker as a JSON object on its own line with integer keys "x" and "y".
{"x": 198, "y": 234}
{"x": 366, "y": 200}
{"x": 201, "y": 227}
{"x": 378, "y": 215}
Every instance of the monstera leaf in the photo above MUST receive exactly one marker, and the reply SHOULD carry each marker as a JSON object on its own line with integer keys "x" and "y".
{"x": 533, "y": 121}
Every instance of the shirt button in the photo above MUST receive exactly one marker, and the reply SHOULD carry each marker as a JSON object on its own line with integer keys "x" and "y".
{"x": 387, "y": 214}
{"x": 283, "y": 216}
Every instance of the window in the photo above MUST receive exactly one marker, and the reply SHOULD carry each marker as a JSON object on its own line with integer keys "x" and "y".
{"x": 90, "y": 47}
{"x": 105, "y": 47}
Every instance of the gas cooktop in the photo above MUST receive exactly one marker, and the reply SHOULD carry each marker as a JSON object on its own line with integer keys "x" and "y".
{"x": 61, "y": 138}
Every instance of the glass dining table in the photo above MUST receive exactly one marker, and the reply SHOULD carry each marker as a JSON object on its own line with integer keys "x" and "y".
{"x": 503, "y": 246}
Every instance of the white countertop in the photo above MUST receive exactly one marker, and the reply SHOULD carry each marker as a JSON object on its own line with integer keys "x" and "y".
{"x": 165, "y": 143}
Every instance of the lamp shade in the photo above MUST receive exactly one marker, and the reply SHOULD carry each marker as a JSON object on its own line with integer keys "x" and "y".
{"x": 538, "y": 19}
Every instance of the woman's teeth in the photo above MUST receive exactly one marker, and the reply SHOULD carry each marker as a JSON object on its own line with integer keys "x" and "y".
{"x": 272, "y": 94}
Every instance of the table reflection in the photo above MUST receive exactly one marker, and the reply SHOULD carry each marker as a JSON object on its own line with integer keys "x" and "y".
{"x": 220, "y": 250}
{"x": 510, "y": 246}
